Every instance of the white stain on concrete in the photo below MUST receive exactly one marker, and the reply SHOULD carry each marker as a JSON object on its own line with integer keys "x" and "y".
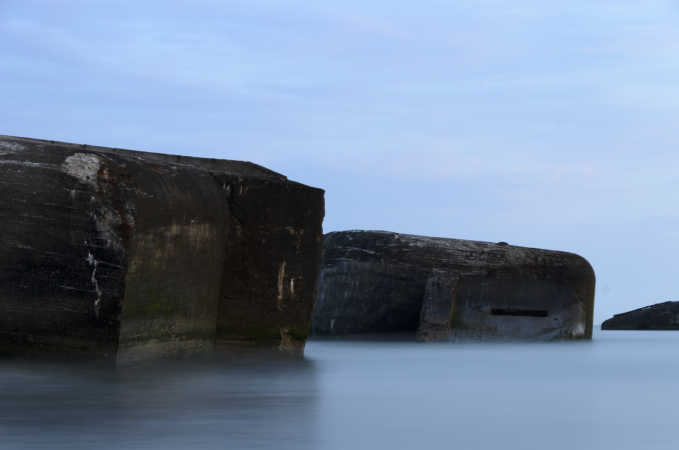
{"x": 579, "y": 329}
{"x": 25, "y": 163}
{"x": 7, "y": 148}
{"x": 281, "y": 285}
{"x": 93, "y": 278}
{"x": 83, "y": 166}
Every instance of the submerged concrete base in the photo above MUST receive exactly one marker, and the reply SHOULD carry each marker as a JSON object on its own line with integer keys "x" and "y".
{"x": 129, "y": 255}
{"x": 449, "y": 289}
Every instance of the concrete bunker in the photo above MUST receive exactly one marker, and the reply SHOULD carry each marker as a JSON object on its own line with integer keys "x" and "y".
{"x": 131, "y": 255}
{"x": 449, "y": 289}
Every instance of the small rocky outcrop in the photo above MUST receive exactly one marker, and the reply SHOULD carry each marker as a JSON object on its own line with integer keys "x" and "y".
{"x": 130, "y": 255}
{"x": 661, "y": 316}
{"x": 442, "y": 289}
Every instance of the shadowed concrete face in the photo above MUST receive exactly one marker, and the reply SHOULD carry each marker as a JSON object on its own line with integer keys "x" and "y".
{"x": 131, "y": 255}
{"x": 376, "y": 281}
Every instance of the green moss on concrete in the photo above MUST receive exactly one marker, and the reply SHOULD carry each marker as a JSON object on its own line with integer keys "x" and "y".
{"x": 298, "y": 334}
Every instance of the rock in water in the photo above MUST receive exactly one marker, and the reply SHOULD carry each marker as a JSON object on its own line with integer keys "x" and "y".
{"x": 661, "y": 316}
{"x": 377, "y": 282}
{"x": 132, "y": 255}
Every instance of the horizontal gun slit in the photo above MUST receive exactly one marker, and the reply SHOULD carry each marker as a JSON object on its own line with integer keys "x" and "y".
{"x": 519, "y": 312}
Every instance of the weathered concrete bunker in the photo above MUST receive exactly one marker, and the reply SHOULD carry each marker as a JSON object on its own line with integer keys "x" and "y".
{"x": 443, "y": 289}
{"x": 127, "y": 255}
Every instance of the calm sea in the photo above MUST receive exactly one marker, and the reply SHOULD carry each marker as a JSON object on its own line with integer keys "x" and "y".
{"x": 620, "y": 391}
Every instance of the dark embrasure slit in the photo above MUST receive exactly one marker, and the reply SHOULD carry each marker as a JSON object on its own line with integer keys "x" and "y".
{"x": 519, "y": 312}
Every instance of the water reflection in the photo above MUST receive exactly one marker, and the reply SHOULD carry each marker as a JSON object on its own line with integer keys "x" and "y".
{"x": 167, "y": 405}
{"x": 618, "y": 392}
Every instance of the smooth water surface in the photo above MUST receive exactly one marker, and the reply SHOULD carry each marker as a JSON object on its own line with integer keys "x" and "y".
{"x": 620, "y": 391}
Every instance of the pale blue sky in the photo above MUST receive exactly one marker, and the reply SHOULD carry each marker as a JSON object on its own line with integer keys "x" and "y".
{"x": 545, "y": 124}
